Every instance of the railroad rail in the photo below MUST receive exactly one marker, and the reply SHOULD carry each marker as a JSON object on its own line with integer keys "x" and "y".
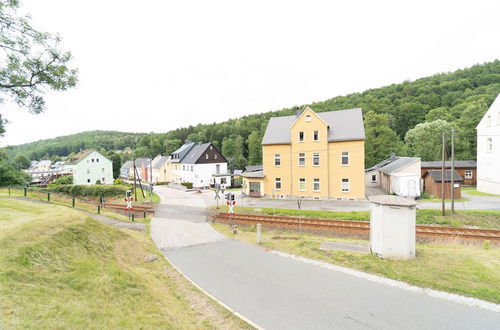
{"x": 356, "y": 228}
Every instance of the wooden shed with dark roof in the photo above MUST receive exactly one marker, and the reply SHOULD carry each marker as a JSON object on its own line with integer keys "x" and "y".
{"x": 433, "y": 181}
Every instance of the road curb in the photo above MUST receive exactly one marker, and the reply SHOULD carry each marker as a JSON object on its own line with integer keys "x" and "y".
{"x": 469, "y": 301}
{"x": 233, "y": 311}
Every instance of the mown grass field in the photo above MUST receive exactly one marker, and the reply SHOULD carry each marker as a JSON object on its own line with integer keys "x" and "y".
{"x": 59, "y": 268}
{"x": 467, "y": 270}
{"x": 489, "y": 219}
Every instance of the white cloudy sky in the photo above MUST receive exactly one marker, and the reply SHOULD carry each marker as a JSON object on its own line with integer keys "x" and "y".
{"x": 152, "y": 66}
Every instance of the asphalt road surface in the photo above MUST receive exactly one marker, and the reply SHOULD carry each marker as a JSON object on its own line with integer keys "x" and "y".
{"x": 277, "y": 292}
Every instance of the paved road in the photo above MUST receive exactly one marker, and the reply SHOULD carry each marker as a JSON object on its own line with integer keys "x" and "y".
{"x": 277, "y": 292}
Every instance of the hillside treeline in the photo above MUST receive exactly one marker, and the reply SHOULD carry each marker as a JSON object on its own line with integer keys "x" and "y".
{"x": 407, "y": 118}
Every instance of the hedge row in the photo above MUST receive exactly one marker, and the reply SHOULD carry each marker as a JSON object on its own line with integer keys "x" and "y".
{"x": 83, "y": 190}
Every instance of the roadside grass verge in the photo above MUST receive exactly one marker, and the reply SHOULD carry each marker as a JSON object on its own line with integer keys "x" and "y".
{"x": 465, "y": 270}
{"x": 473, "y": 191}
{"x": 489, "y": 219}
{"x": 434, "y": 199}
{"x": 59, "y": 268}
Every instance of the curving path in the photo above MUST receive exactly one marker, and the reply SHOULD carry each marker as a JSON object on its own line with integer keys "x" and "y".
{"x": 279, "y": 292}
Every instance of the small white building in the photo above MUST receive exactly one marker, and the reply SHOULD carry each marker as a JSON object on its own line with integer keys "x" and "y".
{"x": 396, "y": 175}
{"x": 197, "y": 163}
{"x": 90, "y": 166}
{"x": 488, "y": 150}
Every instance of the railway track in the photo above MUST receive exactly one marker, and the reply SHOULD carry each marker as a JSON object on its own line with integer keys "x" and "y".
{"x": 357, "y": 228}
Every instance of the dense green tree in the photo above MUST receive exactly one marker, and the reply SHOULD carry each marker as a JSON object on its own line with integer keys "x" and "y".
{"x": 381, "y": 140}
{"x": 232, "y": 146}
{"x": 254, "y": 148}
{"x": 10, "y": 176}
{"x": 117, "y": 163}
{"x": 22, "y": 162}
{"x": 424, "y": 140}
{"x": 171, "y": 145}
{"x": 439, "y": 113}
{"x": 30, "y": 62}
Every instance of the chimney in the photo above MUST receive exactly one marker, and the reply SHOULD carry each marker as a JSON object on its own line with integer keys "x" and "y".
{"x": 298, "y": 111}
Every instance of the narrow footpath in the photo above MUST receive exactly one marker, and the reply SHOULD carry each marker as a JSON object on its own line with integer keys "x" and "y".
{"x": 278, "y": 292}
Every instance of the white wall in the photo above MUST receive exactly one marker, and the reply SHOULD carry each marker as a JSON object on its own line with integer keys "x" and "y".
{"x": 203, "y": 173}
{"x": 488, "y": 168}
{"x": 368, "y": 179}
{"x": 86, "y": 170}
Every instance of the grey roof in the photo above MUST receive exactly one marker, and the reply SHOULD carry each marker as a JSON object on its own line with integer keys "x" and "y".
{"x": 393, "y": 164}
{"x": 159, "y": 161}
{"x": 194, "y": 153}
{"x": 392, "y": 200}
{"x": 447, "y": 164}
{"x": 128, "y": 164}
{"x": 253, "y": 168}
{"x": 237, "y": 172}
{"x": 344, "y": 125}
{"x": 142, "y": 162}
{"x": 255, "y": 174}
{"x": 436, "y": 175}
{"x": 180, "y": 153}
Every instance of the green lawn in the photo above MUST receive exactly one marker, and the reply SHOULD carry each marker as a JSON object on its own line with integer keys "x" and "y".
{"x": 59, "y": 268}
{"x": 466, "y": 270}
{"x": 473, "y": 191}
{"x": 479, "y": 218}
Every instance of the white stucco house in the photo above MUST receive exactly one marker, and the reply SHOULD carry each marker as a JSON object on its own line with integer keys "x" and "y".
{"x": 90, "y": 166}
{"x": 198, "y": 163}
{"x": 488, "y": 150}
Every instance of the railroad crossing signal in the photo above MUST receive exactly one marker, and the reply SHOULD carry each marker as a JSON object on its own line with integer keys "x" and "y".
{"x": 230, "y": 201}
{"x": 128, "y": 199}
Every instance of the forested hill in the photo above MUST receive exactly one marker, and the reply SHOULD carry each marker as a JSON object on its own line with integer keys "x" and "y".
{"x": 65, "y": 145}
{"x": 407, "y": 118}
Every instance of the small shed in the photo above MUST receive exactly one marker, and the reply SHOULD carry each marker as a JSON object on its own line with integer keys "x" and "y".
{"x": 433, "y": 181}
{"x": 392, "y": 226}
{"x": 253, "y": 180}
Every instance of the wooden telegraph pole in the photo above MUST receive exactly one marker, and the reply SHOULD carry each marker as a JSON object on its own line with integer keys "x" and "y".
{"x": 442, "y": 180}
{"x": 452, "y": 170}
{"x": 135, "y": 188}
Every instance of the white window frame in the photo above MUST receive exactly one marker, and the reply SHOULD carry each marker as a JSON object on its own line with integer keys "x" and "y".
{"x": 488, "y": 121}
{"x": 374, "y": 176}
{"x": 308, "y": 118}
{"x": 276, "y": 181}
{"x": 303, "y": 158}
{"x": 468, "y": 174}
{"x": 303, "y": 137}
{"x": 489, "y": 145}
{"x": 304, "y": 182}
{"x": 318, "y": 182}
{"x": 347, "y": 184}
{"x": 206, "y": 156}
{"x": 342, "y": 158}
{"x": 277, "y": 157}
{"x": 316, "y": 155}
{"x": 316, "y": 134}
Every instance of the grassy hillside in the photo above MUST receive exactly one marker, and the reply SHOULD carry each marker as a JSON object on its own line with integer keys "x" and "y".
{"x": 60, "y": 268}
{"x": 460, "y": 98}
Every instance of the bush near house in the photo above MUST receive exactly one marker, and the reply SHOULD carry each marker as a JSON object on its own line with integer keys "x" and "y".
{"x": 67, "y": 179}
{"x": 82, "y": 190}
{"x": 188, "y": 185}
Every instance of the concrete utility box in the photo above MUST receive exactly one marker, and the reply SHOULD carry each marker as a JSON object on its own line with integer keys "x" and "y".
{"x": 392, "y": 226}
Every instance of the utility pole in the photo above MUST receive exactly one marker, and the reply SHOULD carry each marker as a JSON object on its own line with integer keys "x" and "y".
{"x": 452, "y": 174}
{"x": 135, "y": 188}
{"x": 442, "y": 180}
{"x": 151, "y": 181}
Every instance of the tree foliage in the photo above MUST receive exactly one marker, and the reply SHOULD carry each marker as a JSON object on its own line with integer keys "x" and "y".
{"x": 424, "y": 140}
{"x": 30, "y": 61}
{"x": 381, "y": 140}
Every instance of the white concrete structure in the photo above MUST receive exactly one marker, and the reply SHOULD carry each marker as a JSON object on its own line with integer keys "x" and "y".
{"x": 405, "y": 184}
{"x": 90, "y": 166}
{"x": 392, "y": 227}
{"x": 196, "y": 163}
{"x": 488, "y": 150}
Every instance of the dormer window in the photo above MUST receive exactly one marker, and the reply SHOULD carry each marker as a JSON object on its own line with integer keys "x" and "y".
{"x": 301, "y": 136}
{"x": 308, "y": 117}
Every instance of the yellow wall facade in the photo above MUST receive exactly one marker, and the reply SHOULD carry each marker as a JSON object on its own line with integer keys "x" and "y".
{"x": 330, "y": 170}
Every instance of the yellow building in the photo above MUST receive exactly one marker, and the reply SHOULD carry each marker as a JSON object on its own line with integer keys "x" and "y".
{"x": 313, "y": 155}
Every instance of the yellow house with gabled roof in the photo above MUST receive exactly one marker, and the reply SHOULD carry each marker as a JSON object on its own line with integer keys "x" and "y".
{"x": 314, "y": 155}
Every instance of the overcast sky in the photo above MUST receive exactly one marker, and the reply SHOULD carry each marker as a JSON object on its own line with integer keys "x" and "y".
{"x": 153, "y": 66}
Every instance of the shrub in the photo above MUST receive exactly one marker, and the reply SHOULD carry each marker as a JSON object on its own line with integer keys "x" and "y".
{"x": 67, "y": 179}
{"x": 117, "y": 182}
{"x": 188, "y": 185}
{"x": 98, "y": 182}
{"x": 82, "y": 190}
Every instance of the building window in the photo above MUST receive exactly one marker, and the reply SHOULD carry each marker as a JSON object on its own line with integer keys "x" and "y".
{"x": 308, "y": 117}
{"x": 97, "y": 160}
{"x": 277, "y": 160}
{"x": 345, "y": 185}
{"x": 217, "y": 169}
{"x": 277, "y": 184}
{"x": 211, "y": 148}
{"x": 316, "y": 136}
{"x": 316, "y": 159}
{"x": 206, "y": 156}
{"x": 374, "y": 178}
{"x": 102, "y": 180}
{"x": 192, "y": 170}
{"x": 215, "y": 156}
{"x": 302, "y": 184}
{"x": 88, "y": 171}
{"x": 316, "y": 185}
{"x": 345, "y": 158}
{"x": 92, "y": 160}
{"x": 468, "y": 174}
{"x": 489, "y": 145}
{"x": 88, "y": 180}
{"x": 102, "y": 170}
{"x": 488, "y": 121}
{"x": 301, "y": 136}
{"x": 302, "y": 159}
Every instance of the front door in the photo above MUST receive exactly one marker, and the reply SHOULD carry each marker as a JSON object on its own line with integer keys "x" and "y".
{"x": 254, "y": 189}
